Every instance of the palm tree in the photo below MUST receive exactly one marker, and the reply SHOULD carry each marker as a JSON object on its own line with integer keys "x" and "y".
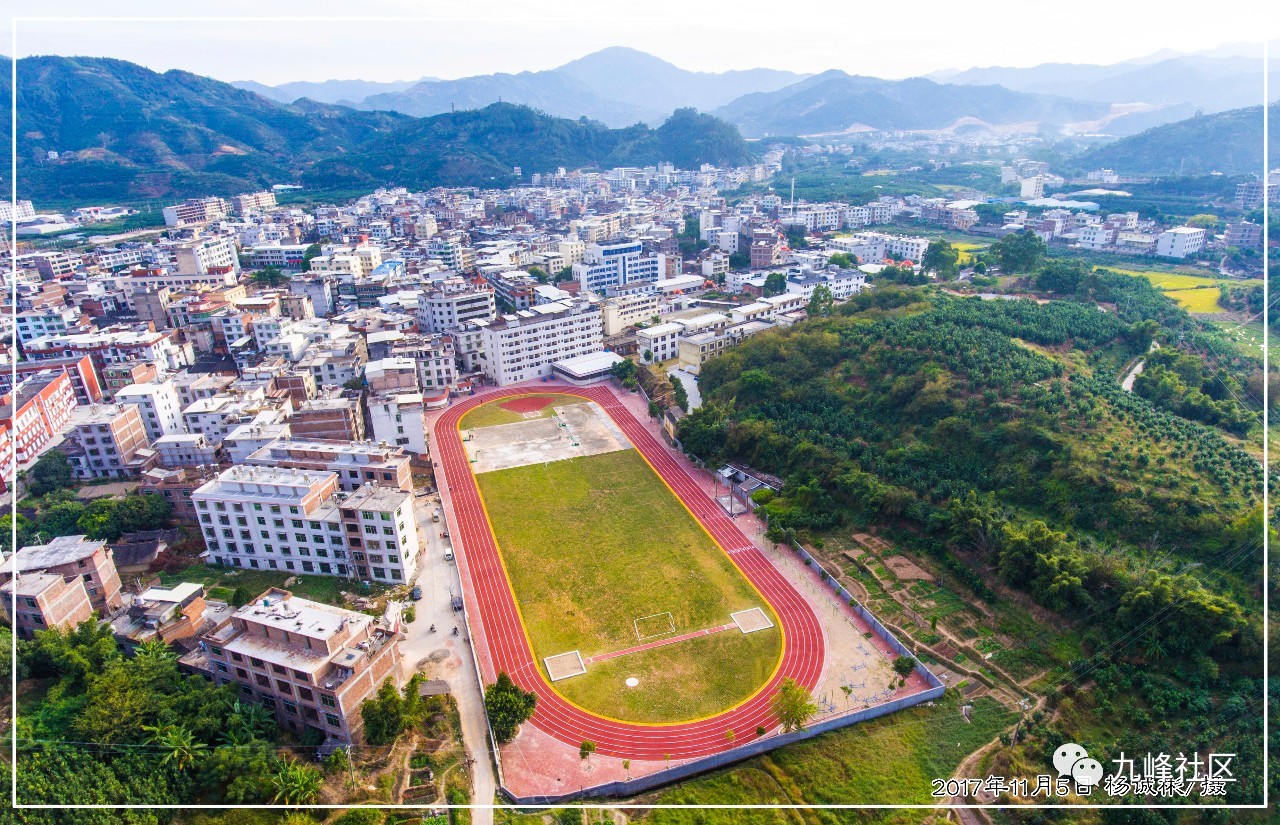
{"x": 248, "y": 721}
{"x": 178, "y": 746}
{"x": 295, "y": 783}
{"x": 154, "y": 649}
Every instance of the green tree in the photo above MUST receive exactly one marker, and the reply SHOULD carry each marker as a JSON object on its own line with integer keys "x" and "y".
{"x": 843, "y": 260}
{"x": 821, "y": 302}
{"x": 624, "y": 370}
{"x": 941, "y": 258}
{"x": 1019, "y": 252}
{"x": 508, "y": 707}
{"x": 52, "y": 471}
{"x": 793, "y": 705}
{"x": 904, "y": 665}
{"x": 539, "y": 274}
{"x": 269, "y": 276}
{"x": 586, "y": 749}
{"x": 775, "y": 283}
{"x": 312, "y": 251}
{"x": 383, "y": 715}
{"x": 678, "y": 392}
{"x": 176, "y": 745}
{"x": 565, "y": 274}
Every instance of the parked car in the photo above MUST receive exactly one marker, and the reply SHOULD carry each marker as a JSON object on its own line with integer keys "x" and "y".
{"x": 435, "y": 516}
{"x": 416, "y": 593}
{"x": 448, "y": 554}
{"x": 457, "y": 602}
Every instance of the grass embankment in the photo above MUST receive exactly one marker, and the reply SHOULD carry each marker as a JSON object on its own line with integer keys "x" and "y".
{"x": 890, "y": 760}
{"x": 221, "y": 583}
{"x": 591, "y": 544}
{"x": 494, "y": 413}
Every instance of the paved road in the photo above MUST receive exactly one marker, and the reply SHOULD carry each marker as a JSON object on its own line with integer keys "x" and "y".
{"x": 438, "y": 579}
{"x": 491, "y": 598}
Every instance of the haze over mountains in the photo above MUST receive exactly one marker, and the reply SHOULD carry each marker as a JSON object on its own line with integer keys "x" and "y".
{"x": 622, "y": 86}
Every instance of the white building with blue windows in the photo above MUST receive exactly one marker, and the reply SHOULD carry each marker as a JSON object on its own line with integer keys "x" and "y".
{"x": 615, "y": 265}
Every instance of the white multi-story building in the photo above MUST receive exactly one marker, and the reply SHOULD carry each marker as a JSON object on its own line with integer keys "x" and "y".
{"x": 454, "y": 304}
{"x": 195, "y": 211}
{"x": 627, "y": 310}
{"x": 159, "y": 405}
{"x": 661, "y": 341}
{"x": 616, "y": 264}
{"x": 200, "y": 256}
{"x": 274, "y": 518}
{"x": 38, "y": 322}
{"x": 1180, "y": 242}
{"x": 521, "y": 346}
{"x": 398, "y": 418}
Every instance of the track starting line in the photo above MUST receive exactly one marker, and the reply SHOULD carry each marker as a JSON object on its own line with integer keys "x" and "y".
{"x": 613, "y": 654}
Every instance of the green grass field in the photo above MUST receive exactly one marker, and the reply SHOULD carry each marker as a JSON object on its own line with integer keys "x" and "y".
{"x": 883, "y": 761}
{"x": 592, "y": 544}
{"x": 221, "y": 582}
{"x": 492, "y": 414}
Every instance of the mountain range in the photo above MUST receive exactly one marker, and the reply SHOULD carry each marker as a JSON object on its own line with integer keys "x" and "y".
{"x": 122, "y": 131}
{"x": 622, "y": 86}
{"x": 1209, "y": 82}
{"x": 617, "y": 86}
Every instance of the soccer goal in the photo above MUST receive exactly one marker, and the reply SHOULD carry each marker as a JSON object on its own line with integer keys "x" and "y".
{"x": 658, "y": 624}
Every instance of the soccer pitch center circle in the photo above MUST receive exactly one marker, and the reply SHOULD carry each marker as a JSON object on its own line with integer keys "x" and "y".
{"x": 552, "y": 633}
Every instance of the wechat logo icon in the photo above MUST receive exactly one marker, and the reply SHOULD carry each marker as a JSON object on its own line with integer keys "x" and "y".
{"x": 1074, "y": 761}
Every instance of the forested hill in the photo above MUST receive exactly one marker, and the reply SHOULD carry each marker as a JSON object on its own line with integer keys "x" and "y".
{"x": 124, "y": 132}
{"x": 1227, "y": 142}
{"x": 996, "y": 434}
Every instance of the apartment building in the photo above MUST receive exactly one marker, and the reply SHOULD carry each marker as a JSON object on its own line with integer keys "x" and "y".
{"x": 195, "y": 211}
{"x": 278, "y": 518}
{"x": 111, "y": 442}
{"x": 399, "y": 418}
{"x": 80, "y": 370}
{"x": 450, "y": 307}
{"x": 311, "y": 664}
{"x": 624, "y": 311}
{"x": 253, "y": 202}
{"x": 661, "y": 340}
{"x": 212, "y": 254}
{"x": 1180, "y": 242}
{"x": 522, "y": 345}
{"x": 71, "y": 557}
{"x": 45, "y": 601}
{"x": 113, "y": 347}
{"x": 616, "y": 264}
{"x": 159, "y": 405}
{"x": 51, "y": 321}
{"x": 355, "y": 463}
{"x": 36, "y": 411}
{"x": 333, "y": 418}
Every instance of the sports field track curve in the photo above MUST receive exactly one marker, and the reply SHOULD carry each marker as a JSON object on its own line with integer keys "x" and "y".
{"x": 493, "y": 603}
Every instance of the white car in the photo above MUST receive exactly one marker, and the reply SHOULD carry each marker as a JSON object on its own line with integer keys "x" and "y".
{"x": 448, "y": 554}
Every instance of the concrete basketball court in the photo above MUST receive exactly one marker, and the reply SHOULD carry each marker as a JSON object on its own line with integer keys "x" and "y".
{"x": 574, "y": 430}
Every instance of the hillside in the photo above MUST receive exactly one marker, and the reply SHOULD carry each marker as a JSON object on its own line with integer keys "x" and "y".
{"x": 345, "y": 92}
{"x": 834, "y": 102}
{"x": 125, "y": 132}
{"x": 1227, "y": 142}
{"x": 929, "y": 412}
{"x": 617, "y": 86}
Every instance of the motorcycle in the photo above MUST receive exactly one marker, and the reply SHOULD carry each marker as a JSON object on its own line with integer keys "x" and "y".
{"x": 432, "y": 629}
{"x": 455, "y": 630}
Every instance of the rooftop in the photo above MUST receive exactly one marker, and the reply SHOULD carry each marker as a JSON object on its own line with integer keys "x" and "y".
{"x": 61, "y": 550}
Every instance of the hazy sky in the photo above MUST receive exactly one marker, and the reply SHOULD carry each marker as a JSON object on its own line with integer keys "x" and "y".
{"x": 886, "y": 39}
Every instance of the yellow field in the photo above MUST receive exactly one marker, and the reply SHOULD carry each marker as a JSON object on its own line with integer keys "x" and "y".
{"x": 1195, "y": 293}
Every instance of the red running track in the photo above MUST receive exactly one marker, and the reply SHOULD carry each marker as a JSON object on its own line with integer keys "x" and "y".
{"x": 803, "y": 646}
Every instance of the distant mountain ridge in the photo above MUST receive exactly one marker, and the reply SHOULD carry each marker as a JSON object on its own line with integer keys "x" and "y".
{"x": 835, "y": 101}
{"x": 1211, "y": 83}
{"x": 345, "y": 92}
{"x": 617, "y": 86}
{"x": 122, "y": 131}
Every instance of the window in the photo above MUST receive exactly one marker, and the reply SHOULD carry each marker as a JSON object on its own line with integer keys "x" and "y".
{"x": 284, "y": 687}
{"x": 290, "y": 707}
{"x": 242, "y": 673}
{"x": 262, "y": 681}
{"x": 333, "y": 720}
{"x": 328, "y": 701}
